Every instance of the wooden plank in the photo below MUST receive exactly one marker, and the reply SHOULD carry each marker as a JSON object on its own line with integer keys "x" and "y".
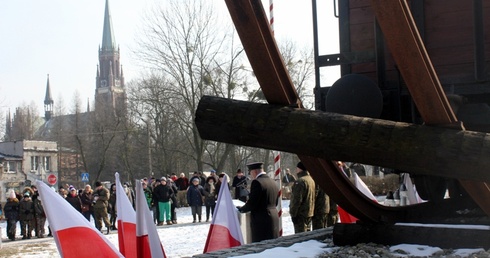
{"x": 453, "y": 153}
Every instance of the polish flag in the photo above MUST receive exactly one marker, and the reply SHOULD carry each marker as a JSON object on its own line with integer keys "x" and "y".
{"x": 345, "y": 217}
{"x": 74, "y": 235}
{"x": 224, "y": 231}
{"x": 147, "y": 240}
{"x": 126, "y": 222}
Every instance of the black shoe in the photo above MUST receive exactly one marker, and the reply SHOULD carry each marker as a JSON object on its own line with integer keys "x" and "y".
{"x": 108, "y": 231}
{"x": 193, "y": 221}
{"x": 24, "y": 237}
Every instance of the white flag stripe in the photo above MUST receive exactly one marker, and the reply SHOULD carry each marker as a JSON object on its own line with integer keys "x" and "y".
{"x": 53, "y": 202}
{"x": 145, "y": 225}
{"x": 222, "y": 218}
{"x": 412, "y": 194}
{"x": 69, "y": 218}
{"x": 363, "y": 187}
{"x": 123, "y": 204}
{"x": 141, "y": 228}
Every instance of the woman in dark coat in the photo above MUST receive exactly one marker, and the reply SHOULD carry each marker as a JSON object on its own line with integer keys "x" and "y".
{"x": 86, "y": 197}
{"x": 112, "y": 207}
{"x": 74, "y": 199}
{"x": 210, "y": 196}
{"x": 195, "y": 195}
{"x": 11, "y": 210}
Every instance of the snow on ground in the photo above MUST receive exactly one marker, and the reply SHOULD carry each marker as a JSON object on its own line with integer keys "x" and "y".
{"x": 187, "y": 239}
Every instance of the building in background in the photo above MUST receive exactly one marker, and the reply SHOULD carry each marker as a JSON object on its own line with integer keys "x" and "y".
{"x": 73, "y": 132}
{"x": 24, "y": 162}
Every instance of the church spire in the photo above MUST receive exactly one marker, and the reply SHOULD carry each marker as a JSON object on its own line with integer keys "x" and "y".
{"x": 108, "y": 39}
{"x": 109, "y": 91}
{"x": 48, "y": 102}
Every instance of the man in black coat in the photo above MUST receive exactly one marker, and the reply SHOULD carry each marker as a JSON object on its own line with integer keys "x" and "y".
{"x": 262, "y": 204}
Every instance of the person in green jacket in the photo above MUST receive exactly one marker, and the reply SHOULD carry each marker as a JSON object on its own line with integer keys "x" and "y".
{"x": 302, "y": 202}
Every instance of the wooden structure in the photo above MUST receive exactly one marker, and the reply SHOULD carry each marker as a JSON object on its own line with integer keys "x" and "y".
{"x": 393, "y": 35}
{"x": 412, "y": 91}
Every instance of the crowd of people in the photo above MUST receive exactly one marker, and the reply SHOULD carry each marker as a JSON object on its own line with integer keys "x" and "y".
{"x": 163, "y": 196}
{"x": 309, "y": 206}
{"x": 25, "y": 208}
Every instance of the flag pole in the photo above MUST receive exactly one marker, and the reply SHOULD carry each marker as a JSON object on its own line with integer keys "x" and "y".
{"x": 277, "y": 178}
{"x": 271, "y": 12}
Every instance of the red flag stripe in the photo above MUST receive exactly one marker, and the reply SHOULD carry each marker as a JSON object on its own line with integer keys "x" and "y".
{"x": 225, "y": 239}
{"x": 83, "y": 242}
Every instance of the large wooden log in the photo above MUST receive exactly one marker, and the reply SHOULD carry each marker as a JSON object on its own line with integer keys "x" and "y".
{"x": 417, "y": 149}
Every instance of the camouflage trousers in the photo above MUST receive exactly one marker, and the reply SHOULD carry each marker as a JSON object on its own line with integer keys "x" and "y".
{"x": 302, "y": 224}
{"x": 100, "y": 215}
{"x": 26, "y": 227}
{"x": 40, "y": 221}
{"x": 319, "y": 221}
{"x": 332, "y": 218}
{"x": 182, "y": 198}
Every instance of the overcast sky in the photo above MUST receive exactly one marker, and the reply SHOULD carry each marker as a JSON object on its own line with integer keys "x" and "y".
{"x": 61, "y": 38}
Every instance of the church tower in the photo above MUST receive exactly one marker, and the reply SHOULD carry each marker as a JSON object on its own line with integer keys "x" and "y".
{"x": 48, "y": 103}
{"x": 110, "y": 95}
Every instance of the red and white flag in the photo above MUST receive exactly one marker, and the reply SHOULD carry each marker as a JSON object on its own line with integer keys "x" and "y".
{"x": 74, "y": 235}
{"x": 126, "y": 222}
{"x": 224, "y": 231}
{"x": 147, "y": 240}
{"x": 345, "y": 217}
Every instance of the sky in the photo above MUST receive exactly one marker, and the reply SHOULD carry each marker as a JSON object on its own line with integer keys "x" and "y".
{"x": 61, "y": 38}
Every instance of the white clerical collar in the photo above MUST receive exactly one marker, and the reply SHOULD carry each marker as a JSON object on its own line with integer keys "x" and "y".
{"x": 259, "y": 174}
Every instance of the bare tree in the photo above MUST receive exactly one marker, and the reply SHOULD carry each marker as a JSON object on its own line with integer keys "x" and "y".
{"x": 188, "y": 45}
{"x": 153, "y": 106}
{"x": 300, "y": 65}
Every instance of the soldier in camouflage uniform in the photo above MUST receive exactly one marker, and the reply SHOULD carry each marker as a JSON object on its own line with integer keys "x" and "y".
{"x": 333, "y": 214}
{"x": 322, "y": 207}
{"x": 101, "y": 198}
{"x": 302, "y": 202}
{"x": 39, "y": 215}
